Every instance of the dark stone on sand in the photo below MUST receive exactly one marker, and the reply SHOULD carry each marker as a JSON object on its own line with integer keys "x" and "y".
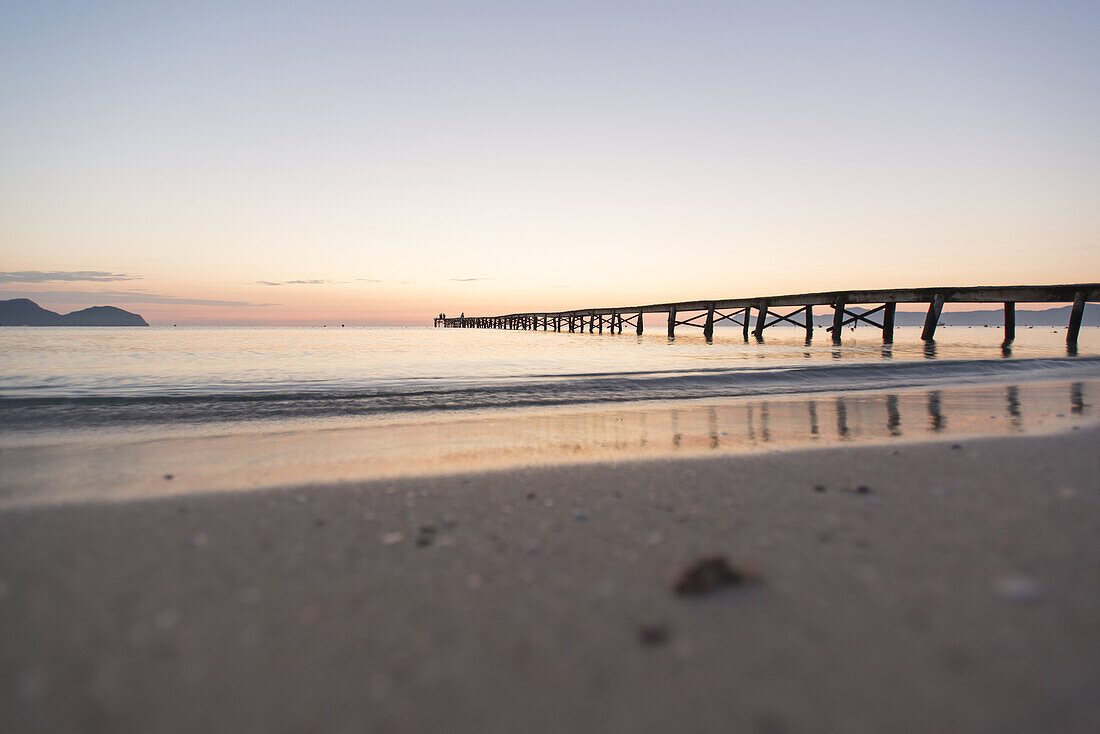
{"x": 711, "y": 574}
{"x": 423, "y": 541}
{"x": 167, "y": 476}
{"x": 863, "y": 489}
{"x": 819, "y": 487}
{"x": 319, "y": 522}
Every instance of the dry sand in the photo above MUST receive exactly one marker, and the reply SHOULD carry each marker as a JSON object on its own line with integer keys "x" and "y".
{"x": 959, "y": 592}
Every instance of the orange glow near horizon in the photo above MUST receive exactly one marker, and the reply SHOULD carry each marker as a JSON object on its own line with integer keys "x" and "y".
{"x": 402, "y": 163}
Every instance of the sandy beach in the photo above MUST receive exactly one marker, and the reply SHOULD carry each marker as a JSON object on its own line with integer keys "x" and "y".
{"x": 938, "y": 586}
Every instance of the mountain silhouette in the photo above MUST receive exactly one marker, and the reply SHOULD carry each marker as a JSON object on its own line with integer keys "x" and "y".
{"x": 25, "y": 312}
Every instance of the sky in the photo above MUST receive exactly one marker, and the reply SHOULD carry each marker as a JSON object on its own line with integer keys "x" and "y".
{"x": 378, "y": 163}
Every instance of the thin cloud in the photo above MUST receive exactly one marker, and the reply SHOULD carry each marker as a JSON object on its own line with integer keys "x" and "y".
{"x": 101, "y": 297}
{"x": 470, "y": 280}
{"x": 327, "y": 281}
{"x": 71, "y": 276}
{"x": 324, "y": 281}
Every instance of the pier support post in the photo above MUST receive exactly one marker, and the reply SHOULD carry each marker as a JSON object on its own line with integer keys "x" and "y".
{"x": 888, "y": 323}
{"x": 671, "y": 322}
{"x": 761, "y": 317}
{"x": 838, "y": 319}
{"x": 932, "y": 318}
{"x": 708, "y": 327}
{"x": 639, "y": 329}
{"x": 592, "y": 323}
{"x": 600, "y": 317}
{"x": 572, "y": 324}
{"x": 1075, "y": 316}
{"x": 809, "y": 323}
{"x": 745, "y": 317}
{"x": 1010, "y": 321}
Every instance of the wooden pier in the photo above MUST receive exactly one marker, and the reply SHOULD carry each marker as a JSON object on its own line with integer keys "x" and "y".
{"x": 754, "y": 315}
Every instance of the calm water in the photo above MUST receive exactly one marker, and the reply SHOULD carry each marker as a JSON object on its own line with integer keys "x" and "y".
{"x": 109, "y": 414}
{"x": 86, "y": 376}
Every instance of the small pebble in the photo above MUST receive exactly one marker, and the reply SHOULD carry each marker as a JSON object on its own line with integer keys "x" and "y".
{"x": 580, "y": 515}
{"x": 250, "y": 595}
{"x": 956, "y": 446}
{"x": 166, "y": 619}
{"x": 392, "y": 538}
{"x": 653, "y": 634}
{"x": 1018, "y": 589}
{"x": 319, "y": 522}
{"x": 710, "y": 574}
{"x": 863, "y": 489}
{"x": 167, "y": 476}
{"x": 424, "y": 541}
{"x": 819, "y": 487}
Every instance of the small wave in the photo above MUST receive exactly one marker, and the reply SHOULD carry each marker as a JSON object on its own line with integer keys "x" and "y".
{"x": 532, "y": 390}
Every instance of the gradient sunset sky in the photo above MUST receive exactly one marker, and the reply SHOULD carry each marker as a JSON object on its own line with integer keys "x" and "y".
{"x": 376, "y": 163}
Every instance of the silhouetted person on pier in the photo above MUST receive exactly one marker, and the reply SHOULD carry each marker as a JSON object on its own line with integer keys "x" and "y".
{"x": 462, "y": 315}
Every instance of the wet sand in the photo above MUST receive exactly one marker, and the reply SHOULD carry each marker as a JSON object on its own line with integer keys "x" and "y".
{"x": 113, "y": 463}
{"x": 958, "y": 590}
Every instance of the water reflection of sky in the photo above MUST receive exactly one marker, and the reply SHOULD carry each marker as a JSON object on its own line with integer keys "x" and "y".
{"x": 66, "y": 363}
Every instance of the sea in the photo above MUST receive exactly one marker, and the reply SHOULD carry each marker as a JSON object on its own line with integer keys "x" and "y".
{"x": 88, "y": 412}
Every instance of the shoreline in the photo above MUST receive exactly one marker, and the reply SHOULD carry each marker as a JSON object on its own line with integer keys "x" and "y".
{"x": 121, "y": 465}
{"x": 956, "y": 592}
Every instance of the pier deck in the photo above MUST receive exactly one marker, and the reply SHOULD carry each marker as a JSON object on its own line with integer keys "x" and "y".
{"x": 754, "y": 315}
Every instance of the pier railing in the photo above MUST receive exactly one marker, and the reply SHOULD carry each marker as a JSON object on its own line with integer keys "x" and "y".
{"x": 741, "y": 311}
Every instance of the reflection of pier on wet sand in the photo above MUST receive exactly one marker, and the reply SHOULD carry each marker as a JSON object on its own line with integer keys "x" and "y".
{"x": 799, "y": 311}
{"x": 786, "y": 422}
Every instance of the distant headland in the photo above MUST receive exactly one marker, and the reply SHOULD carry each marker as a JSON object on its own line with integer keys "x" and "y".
{"x": 25, "y": 312}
